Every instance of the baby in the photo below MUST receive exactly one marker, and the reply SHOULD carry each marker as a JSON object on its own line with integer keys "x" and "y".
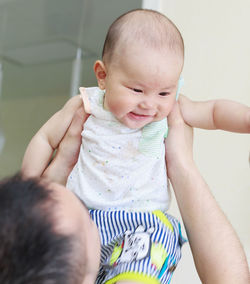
{"x": 121, "y": 166}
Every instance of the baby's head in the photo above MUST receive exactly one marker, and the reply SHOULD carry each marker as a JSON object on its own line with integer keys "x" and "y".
{"x": 146, "y": 29}
{"x": 141, "y": 64}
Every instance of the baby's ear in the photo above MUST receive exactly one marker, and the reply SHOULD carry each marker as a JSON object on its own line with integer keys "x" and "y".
{"x": 100, "y": 73}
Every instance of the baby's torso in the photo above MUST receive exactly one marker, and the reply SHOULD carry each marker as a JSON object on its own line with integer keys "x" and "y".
{"x": 119, "y": 167}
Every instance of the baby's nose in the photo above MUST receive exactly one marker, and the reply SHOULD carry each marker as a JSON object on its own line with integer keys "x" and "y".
{"x": 147, "y": 102}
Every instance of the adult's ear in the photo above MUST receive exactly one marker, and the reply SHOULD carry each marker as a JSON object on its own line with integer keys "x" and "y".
{"x": 100, "y": 73}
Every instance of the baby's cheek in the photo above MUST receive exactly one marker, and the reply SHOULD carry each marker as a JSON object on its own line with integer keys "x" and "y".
{"x": 116, "y": 108}
{"x": 122, "y": 104}
{"x": 166, "y": 111}
{"x": 168, "y": 107}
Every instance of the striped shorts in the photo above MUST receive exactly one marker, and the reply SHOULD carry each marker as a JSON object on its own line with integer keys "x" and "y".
{"x": 137, "y": 246}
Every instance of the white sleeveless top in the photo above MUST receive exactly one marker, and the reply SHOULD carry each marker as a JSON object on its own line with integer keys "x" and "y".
{"x": 119, "y": 167}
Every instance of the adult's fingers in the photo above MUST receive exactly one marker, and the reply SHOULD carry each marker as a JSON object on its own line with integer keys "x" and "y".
{"x": 68, "y": 151}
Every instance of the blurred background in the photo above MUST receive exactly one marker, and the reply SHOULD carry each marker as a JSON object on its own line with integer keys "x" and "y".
{"x": 47, "y": 50}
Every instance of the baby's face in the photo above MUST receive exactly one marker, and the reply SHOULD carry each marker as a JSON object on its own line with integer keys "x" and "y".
{"x": 141, "y": 85}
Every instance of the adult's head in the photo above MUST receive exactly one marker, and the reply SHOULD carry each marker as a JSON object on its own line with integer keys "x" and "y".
{"x": 46, "y": 235}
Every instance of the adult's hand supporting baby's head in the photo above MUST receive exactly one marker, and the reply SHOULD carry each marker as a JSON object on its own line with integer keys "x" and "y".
{"x": 68, "y": 151}
{"x": 179, "y": 143}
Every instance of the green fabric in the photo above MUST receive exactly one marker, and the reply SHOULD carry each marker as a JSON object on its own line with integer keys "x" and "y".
{"x": 153, "y": 135}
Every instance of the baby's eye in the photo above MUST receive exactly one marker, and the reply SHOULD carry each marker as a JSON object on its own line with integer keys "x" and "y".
{"x": 163, "y": 94}
{"x": 137, "y": 90}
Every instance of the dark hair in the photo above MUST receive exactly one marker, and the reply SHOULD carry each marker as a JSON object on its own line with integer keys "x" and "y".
{"x": 31, "y": 251}
{"x": 142, "y": 25}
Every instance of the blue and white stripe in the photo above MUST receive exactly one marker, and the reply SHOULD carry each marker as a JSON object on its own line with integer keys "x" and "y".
{"x": 112, "y": 226}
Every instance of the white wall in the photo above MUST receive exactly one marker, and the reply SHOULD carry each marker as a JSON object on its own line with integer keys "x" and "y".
{"x": 217, "y": 65}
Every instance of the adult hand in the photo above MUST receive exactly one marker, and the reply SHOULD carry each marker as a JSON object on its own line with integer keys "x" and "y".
{"x": 204, "y": 221}
{"x": 179, "y": 143}
{"x": 67, "y": 152}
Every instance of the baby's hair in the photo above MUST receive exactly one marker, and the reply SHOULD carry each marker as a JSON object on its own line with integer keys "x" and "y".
{"x": 141, "y": 26}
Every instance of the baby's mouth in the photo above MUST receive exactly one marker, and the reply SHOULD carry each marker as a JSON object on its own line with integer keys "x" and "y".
{"x": 138, "y": 116}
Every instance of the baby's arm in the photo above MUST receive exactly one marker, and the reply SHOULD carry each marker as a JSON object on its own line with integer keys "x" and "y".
{"x": 47, "y": 139}
{"x": 216, "y": 114}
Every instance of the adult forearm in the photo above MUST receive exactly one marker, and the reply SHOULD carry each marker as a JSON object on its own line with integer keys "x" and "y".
{"x": 217, "y": 252}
